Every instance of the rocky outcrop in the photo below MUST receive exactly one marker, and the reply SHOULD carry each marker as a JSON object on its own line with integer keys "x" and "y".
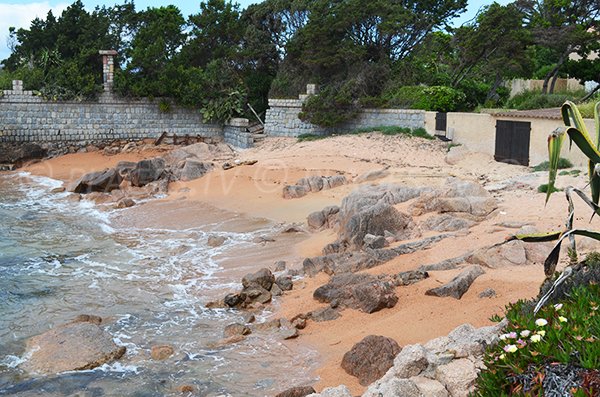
{"x": 460, "y": 284}
{"x": 511, "y": 253}
{"x": 18, "y": 154}
{"x": 358, "y": 291}
{"x": 350, "y": 262}
{"x": 371, "y": 358}
{"x": 446, "y": 223}
{"x": 313, "y": 184}
{"x": 258, "y": 287}
{"x": 374, "y": 220}
{"x": 147, "y": 171}
{"x": 188, "y": 170}
{"x": 298, "y": 391}
{"x": 327, "y": 218}
{"x": 102, "y": 181}
{"x": 75, "y": 346}
{"x": 457, "y": 196}
{"x": 446, "y": 366}
{"x": 294, "y": 191}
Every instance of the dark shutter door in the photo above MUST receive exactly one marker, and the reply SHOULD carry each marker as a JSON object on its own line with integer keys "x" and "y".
{"x": 512, "y": 142}
{"x": 441, "y": 121}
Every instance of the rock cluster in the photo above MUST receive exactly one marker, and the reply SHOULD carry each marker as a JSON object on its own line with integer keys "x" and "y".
{"x": 313, "y": 184}
{"x": 258, "y": 288}
{"x": 443, "y": 367}
{"x": 151, "y": 176}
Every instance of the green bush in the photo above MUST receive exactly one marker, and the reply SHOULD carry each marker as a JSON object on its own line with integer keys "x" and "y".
{"x": 564, "y": 334}
{"x": 435, "y": 98}
{"x": 545, "y": 165}
{"x": 543, "y": 188}
{"x": 310, "y": 137}
{"x": 537, "y": 100}
{"x": 332, "y": 106}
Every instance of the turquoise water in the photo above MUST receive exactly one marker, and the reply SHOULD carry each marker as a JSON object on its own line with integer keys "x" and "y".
{"x": 59, "y": 259}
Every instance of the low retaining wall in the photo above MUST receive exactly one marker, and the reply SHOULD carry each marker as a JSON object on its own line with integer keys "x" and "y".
{"x": 28, "y": 118}
{"x": 282, "y": 119}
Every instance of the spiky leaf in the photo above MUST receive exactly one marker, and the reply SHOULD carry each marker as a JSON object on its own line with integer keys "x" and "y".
{"x": 555, "y": 142}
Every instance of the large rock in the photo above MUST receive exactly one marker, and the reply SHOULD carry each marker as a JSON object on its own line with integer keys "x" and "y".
{"x": 19, "y": 153}
{"x": 370, "y": 358}
{"x": 358, "y": 291}
{"x": 324, "y": 219}
{"x": 457, "y": 196}
{"x": 123, "y": 168}
{"x": 375, "y": 220}
{"x": 460, "y": 284}
{"x": 263, "y": 278}
{"x": 458, "y": 376}
{"x": 71, "y": 347}
{"x": 102, "y": 181}
{"x": 411, "y": 361}
{"x": 340, "y": 391}
{"x": 446, "y": 223}
{"x": 147, "y": 171}
{"x": 511, "y": 253}
{"x": 294, "y": 191}
{"x": 394, "y": 387}
{"x": 298, "y": 391}
{"x": 189, "y": 170}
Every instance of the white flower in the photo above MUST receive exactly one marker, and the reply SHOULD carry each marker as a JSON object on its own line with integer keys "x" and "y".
{"x": 562, "y": 319}
{"x": 558, "y": 306}
{"x": 536, "y": 338}
{"x": 541, "y": 332}
{"x": 510, "y": 348}
{"x": 540, "y": 322}
{"x": 525, "y": 334}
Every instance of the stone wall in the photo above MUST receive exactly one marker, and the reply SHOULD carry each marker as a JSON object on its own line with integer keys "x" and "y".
{"x": 282, "y": 119}
{"x": 235, "y": 133}
{"x": 28, "y": 118}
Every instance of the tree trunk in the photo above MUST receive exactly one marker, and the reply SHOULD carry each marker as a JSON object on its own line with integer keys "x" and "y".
{"x": 493, "y": 91}
{"x": 590, "y": 94}
{"x": 554, "y": 72}
{"x": 553, "y": 84}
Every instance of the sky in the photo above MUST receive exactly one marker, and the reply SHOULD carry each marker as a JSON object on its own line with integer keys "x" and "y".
{"x": 19, "y": 13}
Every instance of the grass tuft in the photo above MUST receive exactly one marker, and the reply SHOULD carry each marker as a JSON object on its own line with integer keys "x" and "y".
{"x": 545, "y": 166}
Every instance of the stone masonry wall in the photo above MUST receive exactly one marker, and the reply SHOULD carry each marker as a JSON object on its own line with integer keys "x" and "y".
{"x": 27, "y": 118}
{"x": 235, "y": 133}
{"x": 282, "y": 119}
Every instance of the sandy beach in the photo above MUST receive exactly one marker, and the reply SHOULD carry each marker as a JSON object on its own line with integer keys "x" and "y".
{"x": 255, "y": 192}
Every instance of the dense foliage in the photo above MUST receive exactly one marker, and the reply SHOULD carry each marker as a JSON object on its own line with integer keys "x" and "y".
{"x": 361, "y": 54}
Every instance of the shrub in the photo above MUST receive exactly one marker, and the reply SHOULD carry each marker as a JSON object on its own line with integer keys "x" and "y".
{"x": 543, "y": 188}
{"x": 434, "y": 98}
{"x": 545, "y": 165}
{"x": 537, "y": 350}
{"x": 537, "y": 100}
{"x": 332, "y": 106}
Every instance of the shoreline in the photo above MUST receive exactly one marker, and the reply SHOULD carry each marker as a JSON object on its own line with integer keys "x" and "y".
{"x": 254, "y": 192}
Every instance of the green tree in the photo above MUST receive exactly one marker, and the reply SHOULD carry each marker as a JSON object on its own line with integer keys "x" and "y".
{"x": 561, "y": 26}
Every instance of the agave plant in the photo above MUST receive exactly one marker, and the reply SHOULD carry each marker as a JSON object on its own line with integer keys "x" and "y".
{"x": 576, "y": 130}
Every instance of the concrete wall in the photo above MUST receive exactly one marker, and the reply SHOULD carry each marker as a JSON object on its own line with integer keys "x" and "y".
{"x": 28, "y": 118}
{"x": 282, "y": 119}
{"x": 477, "y": 132}
{"x": 518, "y": 86}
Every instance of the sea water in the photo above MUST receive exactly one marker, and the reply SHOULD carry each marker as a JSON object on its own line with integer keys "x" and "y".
{"x": 60, "y": 258}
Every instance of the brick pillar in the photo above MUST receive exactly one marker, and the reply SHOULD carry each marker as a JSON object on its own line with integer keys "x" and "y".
{"x": 108, "y": 69}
